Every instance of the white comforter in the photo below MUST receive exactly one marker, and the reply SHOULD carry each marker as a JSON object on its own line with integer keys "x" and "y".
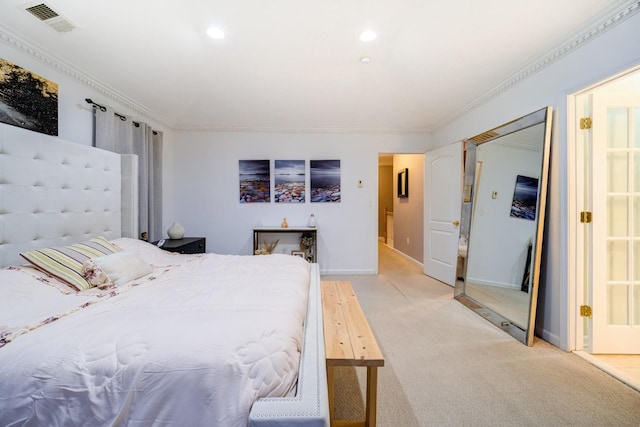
{"x": 195, "y": 343}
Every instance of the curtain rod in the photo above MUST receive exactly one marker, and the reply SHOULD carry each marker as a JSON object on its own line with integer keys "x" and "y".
{"x": 101, "y": 107}
{"x": 120, "y": 116}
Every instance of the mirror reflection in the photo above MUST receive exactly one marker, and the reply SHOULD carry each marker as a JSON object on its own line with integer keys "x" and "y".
{"x": 502, "y": 222}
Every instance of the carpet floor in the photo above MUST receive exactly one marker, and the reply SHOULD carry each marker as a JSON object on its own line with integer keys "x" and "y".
{"x": 447, "y": 366}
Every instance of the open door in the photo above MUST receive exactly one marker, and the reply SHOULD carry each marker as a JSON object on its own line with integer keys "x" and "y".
{"x": 614, "y": 294}
{"x": 442, "y": 202}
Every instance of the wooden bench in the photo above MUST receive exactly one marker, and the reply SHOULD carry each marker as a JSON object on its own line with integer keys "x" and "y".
{"x": 349, "y": 341}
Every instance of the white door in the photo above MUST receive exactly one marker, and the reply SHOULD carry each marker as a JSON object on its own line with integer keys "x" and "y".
{"x": 442, "y": 203}
{"x": 615, "y": 244}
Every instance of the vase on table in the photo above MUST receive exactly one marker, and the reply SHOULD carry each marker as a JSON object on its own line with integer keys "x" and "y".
{"x": 176, "y": 231}
{"x": 312, "y": 221}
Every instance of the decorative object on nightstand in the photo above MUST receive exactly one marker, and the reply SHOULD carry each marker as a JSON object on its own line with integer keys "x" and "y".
{"x": 176, "y": 231}
{"x": 186, "y": 245}
{"x": 266, "y": 248}
{"x": 284, "y": 223}
{"x": 307, "y": 242}
{"x": 312, "y": 221}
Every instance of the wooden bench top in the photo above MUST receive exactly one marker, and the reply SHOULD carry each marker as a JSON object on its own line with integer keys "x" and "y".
{"x": 348, "y": 338}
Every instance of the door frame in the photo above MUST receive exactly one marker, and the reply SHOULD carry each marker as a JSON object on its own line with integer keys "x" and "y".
{"x": 377, "y": 206}
{"x": 576, "y": 289}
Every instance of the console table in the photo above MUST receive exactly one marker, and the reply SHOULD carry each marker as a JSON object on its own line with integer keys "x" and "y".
{"x": 312, "y": 252}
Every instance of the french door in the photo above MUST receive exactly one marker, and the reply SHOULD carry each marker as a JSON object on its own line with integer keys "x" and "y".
{"x": 613, "y": 248}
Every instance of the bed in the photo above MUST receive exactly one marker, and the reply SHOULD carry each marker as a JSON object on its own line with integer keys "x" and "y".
{"x": 155, "y": 338}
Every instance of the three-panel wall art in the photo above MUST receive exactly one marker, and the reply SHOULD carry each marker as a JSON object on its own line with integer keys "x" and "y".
{"x": 290, "y": 184}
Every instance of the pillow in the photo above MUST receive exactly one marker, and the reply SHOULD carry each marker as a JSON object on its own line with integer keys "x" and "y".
{"x": 65, "y": 262}
{"x": 118, "y": 269}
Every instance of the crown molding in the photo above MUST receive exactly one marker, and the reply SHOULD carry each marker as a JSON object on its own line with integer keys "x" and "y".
{"x": 601, "y": 23}
{"x": 328, "y": 129}
{"x": 63, "y": 67}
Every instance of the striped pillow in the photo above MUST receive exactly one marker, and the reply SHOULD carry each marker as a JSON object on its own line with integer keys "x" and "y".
{"x": 65, "y": 262}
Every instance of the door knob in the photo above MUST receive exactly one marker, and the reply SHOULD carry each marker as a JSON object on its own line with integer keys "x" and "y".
{"x": 456, "y": 223}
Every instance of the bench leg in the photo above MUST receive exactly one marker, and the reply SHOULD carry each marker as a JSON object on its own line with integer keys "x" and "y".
{"x": 331, "y": 390}
{"x": 372, "y": 391}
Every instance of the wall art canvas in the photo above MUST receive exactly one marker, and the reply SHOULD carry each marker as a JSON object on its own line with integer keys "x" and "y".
{"x": 28, "y": 100}
{"x": 403, "y": 183}
{"x": 525, "y": 197}
{"x": 289, "y": 176}
{"x": 255, "y": 181}
{"x": 325, "y": 181}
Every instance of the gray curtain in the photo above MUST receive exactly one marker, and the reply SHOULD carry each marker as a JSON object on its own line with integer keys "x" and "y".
{"x": 120, "y": 134}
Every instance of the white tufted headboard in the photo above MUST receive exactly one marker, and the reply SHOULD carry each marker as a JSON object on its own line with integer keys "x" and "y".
{"x": 54, "y": 192}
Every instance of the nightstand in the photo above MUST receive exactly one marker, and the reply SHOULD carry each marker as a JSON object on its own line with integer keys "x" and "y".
{"x": 186, "y": 245}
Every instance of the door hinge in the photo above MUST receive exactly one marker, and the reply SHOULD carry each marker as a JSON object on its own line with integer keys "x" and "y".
{"x": 585, "y": 123}
{"x": 585, "y": 311}
{"x": 586, "y": 217}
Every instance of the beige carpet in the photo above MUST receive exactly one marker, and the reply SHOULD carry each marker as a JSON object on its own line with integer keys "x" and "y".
{"x": 447, "y": 366}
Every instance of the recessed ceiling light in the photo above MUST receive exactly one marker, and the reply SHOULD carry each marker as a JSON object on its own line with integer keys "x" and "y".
{"x": 365, "y": 59}
{"x": 215, "y": 33}
{"x": 367, "y": 36}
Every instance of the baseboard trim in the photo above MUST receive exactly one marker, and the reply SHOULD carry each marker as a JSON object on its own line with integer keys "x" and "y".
{"x": 552, "y": 339}
{"x": 408, "y": 258}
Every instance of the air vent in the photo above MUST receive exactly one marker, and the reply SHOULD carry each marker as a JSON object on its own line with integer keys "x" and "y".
{"x": 484, "y": 137}
{"x": 50, "y": 17}
{"x": 42, "y": 12}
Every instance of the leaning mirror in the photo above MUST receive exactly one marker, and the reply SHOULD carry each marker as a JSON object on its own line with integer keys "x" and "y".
{"x": 502, "y": 220}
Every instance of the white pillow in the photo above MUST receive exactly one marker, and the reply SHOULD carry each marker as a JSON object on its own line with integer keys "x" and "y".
{"x": 120, "y": 268}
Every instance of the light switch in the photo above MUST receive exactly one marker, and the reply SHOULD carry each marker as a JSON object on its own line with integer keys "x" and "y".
{"x": 494, "y": 195}
{"x": 360, "y": 183}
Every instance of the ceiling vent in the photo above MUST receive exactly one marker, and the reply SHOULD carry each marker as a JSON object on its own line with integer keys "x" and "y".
{"x": 50, "y": 17}
{"x": 484, "y": 137}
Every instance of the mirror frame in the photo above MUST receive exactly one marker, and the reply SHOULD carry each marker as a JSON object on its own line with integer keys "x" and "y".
{"x": 543, "y": 115}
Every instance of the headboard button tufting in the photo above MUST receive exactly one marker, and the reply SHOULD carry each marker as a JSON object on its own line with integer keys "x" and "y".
{"x": 51, "y": 208}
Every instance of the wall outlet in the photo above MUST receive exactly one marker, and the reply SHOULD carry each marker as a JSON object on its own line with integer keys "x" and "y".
{"x": 407, "y": 240}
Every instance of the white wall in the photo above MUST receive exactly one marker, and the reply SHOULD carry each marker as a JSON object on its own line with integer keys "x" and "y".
{"x": 609, "y": 53}
{"x": 206, "y": 199}
{"x": 75, "y": 114}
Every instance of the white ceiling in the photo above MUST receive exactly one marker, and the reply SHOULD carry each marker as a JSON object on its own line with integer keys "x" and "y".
{"x": 293, "y": 65}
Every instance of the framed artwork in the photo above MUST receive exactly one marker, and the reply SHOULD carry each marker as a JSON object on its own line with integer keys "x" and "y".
{"x": 289, "y": 176}
{"x": 325, "y": 181}
{"x": 300, "y": 254}
{"x": 28, "y": 100}
{"x": 403, "y": 183}
{"x": 525, "y": 198}
{"x": 255, "y": 181}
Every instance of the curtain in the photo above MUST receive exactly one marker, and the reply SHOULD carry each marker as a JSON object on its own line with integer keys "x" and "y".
{"x": 118, "y": 133}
